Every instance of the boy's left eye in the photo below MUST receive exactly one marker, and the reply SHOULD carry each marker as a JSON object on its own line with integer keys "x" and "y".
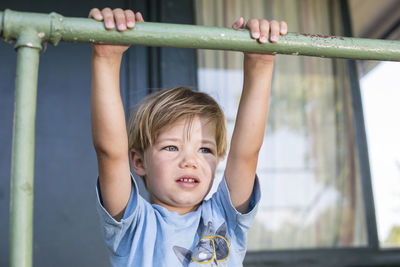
{"x": 205, "y": 150}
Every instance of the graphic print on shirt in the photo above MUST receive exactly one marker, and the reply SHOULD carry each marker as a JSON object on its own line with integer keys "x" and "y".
{"x": 211, "y": 250}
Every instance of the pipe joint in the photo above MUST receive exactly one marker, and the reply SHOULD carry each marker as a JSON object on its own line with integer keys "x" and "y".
{"x": 48, "y": 27}
{"x": 56, "y": 28}
{"x": 29, "y": 38}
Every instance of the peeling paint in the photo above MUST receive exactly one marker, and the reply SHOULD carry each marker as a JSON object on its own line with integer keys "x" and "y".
{"x": 27, "y": 188}
{"x": 29, "y": 44}
{"x": 41, "y": 34}
{"x": 321, "y": 36}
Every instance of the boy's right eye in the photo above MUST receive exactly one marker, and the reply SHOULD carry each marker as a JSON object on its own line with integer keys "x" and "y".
{"x": 170, "y": 148}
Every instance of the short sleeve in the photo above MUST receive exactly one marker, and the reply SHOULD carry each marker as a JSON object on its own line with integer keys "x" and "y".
{"x": 242, "y": 220}
{"x": 117, "y": 234}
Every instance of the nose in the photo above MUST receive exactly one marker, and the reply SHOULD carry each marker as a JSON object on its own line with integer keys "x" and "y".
{"x": 188, "y": 160}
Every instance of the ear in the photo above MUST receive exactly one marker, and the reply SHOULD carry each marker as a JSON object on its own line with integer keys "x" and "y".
{"x": 137, "y": 161}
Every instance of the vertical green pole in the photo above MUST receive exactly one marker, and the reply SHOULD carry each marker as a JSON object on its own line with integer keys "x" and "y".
{"x": 22, "y": 167}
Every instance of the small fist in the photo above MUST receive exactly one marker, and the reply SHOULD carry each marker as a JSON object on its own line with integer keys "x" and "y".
{"x": 124, "y": 19}
{"x": 262, "y": 29}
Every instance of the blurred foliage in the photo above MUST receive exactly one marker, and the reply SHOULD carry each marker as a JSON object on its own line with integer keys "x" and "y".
{"x": 393, "y": 239}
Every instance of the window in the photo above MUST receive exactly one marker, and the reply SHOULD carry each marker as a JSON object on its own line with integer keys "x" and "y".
{"x": 308, "y": 166}
{"x": 381, "y": 95}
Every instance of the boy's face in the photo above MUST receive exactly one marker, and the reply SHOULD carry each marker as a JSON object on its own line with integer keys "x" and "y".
{"x": 180, "y": 166}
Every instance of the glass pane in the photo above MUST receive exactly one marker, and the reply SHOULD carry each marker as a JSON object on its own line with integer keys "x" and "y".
{"x": 381, "y": 95}
{"x": 308, "y": 166}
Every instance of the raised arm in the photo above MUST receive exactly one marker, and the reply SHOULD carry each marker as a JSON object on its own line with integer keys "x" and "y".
{"x": 108, "y": 117}
{"x": 252, "y": 114}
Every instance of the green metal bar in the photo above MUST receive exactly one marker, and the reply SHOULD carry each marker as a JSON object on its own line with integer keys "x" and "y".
{"x": 23, "y": 147}
{"x": 54, "y": 28}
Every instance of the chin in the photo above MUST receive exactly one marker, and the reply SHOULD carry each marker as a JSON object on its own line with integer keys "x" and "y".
{"x": 188, "y": 204}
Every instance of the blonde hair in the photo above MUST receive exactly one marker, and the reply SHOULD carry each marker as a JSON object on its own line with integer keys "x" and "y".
{"x": 164, "y": 108}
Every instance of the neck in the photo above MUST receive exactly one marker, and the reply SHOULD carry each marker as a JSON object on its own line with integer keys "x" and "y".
{"x": 179, "y": 210}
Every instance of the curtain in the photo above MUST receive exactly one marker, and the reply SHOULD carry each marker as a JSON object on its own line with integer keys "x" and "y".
{"x": 308, "y": 165}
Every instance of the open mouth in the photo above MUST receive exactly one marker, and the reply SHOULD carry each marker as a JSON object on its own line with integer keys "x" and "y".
{"x": 192, "y": 180}
{"x": 187, "y": 180}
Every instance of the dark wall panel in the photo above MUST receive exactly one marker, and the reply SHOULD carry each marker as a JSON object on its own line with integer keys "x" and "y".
{"x": 171, "y": 67}
{"x": 179, "y": 66}
{"x": 7, "y": 72}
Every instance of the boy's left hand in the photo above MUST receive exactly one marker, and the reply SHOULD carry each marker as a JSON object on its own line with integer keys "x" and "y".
{"x": 262, "y": 30}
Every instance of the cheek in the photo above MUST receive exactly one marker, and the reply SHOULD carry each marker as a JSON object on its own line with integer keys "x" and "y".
{"x": 157, "y": 159}
{"x": 160, "y": 165}
{"x": 164, "y": 156}
{"x": 211, "y": 163}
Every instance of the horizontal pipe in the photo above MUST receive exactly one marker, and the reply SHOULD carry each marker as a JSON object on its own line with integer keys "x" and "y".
{"x": 54, "y": 28}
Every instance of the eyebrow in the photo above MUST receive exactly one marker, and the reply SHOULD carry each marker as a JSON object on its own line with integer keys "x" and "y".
{"x": 209, "y": 142}
{"x": 173, "y": 139}
{"x": 168, "y": 139}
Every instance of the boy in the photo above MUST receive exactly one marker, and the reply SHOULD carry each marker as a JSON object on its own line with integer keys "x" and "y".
{"x": 176, "y": 140}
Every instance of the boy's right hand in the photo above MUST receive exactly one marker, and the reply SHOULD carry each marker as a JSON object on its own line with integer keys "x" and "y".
{"x": 124, "y": 19}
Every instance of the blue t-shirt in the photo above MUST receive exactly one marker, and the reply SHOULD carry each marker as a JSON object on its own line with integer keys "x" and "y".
{"x": 150, "y": 235}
